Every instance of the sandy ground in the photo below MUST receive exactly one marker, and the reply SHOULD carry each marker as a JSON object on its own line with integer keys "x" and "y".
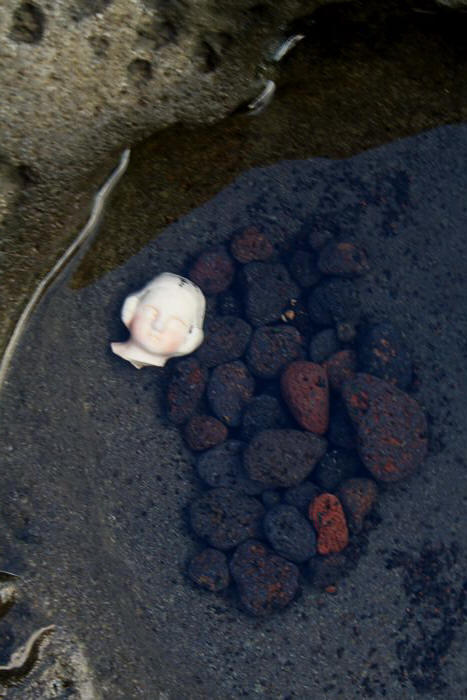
{"x": 96, "y": 480}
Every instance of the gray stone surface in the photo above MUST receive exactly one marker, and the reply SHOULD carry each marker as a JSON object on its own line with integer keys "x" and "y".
{"x": 95, "y": 480}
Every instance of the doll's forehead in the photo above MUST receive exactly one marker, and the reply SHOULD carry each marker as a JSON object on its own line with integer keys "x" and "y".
{"x": 169, "y": 298}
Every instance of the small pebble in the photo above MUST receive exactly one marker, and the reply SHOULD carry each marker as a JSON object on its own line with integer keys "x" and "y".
{"x": 358, "y": 497}
{"x": 250, "y": 245}
{"x": 185, "y": 389}
{"x": 203, "y": 432}
{"x": 289, "y": 533}
{"x": 343, "y": 259}
{"x": 213, "y": 270}
{"x": 301, "y": 495}
{"x": 226, "y": 339}
{"x": 230, "y": 387}
{"x": 334, "y": 468}
{"x": 323, "y": 345}
{"x": 268, "y": 291}
{"x": 333, "y": 301}
{"x": 329, "y": 521}
{"x": 272, "y": 348}
{"x": 262, "y": 412}
{"x": 305, "y": 389}
{"x": 223, "y": 466}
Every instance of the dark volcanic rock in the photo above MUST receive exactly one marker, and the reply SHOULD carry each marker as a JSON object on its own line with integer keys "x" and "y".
{"x": 230, "y": 387}
{"x": 223, "y": 466}
{"x": 271, "y": 348}
{"x": 304, "y": 386}
{"x": 391, "y": 427}
{"x": 224, "y": 517}
{"x": 202, "y": 432}
{"x": 343, "y": 259}
{"x": 250, "y": 245}
{"x": 225, "y": 340}
{"x": 268, "y": 290}
{"x": 185, "y": 389}
{"x": 358, "y": 497}
{"x": 266, "y": 582}
{"x": 303, "y": 268}
{"x": 210, "y": 569}
{"x": 382, "y": 351}
{"x": 334, "y": 467}
{"x": 323, "y": 345}
{"x": 289, "y": 533}
{"x": 213, "y": 270}
{"x": 282, "y": 458}
{"x": 262, "y": 412}
{"x": 340, "y": 367}
{"x": 301, "y": 495}
{"x": 333, "y": 301}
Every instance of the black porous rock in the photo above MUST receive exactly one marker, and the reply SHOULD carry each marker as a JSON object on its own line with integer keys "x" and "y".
{"x": 334, "y": 467}
{"x": 333, "y": 301}
{"x": 185, "y": 389}
{"x": 213, "y": 270}
{"x": 282, "y": 458}
{"x": 225, "y": 340}
{"x": 223, "y": 466}
{"x": 224, "y": 517}
{"x": 271, "y": 498}
{"x": 263, "y": 411}
{"x": 265, "y": 581}
{"x": 230, "y": 387}
{"x": 381, "y": 351}
{"x": 268, "y": 290}
{"x": 302, "y": 266}
{"x": 341, "y": 431}
{"x": 272, "y": 348}
{"x": 210, "y": 569}
{"x": 229, "y": 304}
{"x": 302, "y": 495}
{"x": 323, "y": 345}
{"x": 289, "y": 533}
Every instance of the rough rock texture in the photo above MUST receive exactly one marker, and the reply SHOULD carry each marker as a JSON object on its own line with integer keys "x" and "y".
{"x": 82, "y": 80}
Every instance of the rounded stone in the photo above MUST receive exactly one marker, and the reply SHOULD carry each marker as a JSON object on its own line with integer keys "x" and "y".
{"x": 305, "y": 389}
{"x": 226, "y": 339}
{"x": 262, "y": 412}
{"x": 265, "y": 581}
{"x": 210, "y": 569}
{"x": 382, "y": 351}
{"x": 230, "y": 388}
{"x": 358, "y": 497}
{"x": 224, "y": 517}
{"x": 272, "y": 348}
{"x": 250, "y": 245}
{"x": 301, "y": 495}
{"x": 340, "y": 367}
{"x": 289, "y": 533}
{"x": 333, "y": 301}
{"x": 323, "y": 345}
{"x": 268, "y": 291}
{"x": 329, "y": 521}
{"x": 202, "y": 432}
{"x": 213, "y": 270}
{"x": 282, "y": 458}
{"x": 343, "y": 259}
{"x": 334, "y": 468}
{"x": 185, "y": 390}
{"x": 391, "y": 427}
{"x": 223, "y": 466}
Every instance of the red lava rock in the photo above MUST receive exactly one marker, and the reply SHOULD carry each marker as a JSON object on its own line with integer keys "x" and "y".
{"x": 282, "y": 458}
{"x": 391, "y": 427}
{"x": 358, "y": 496}
{"x": 305, "y": 389}
{"x": 271, "y": 348}
{"x": 329, "y": 521}
{"x": 209, "y": 569}
{"x": 343, "y": 259}
{"x": 266, "y": 582}
{"x": 230, "y": 387}
{"x": 340, "y": 367}
{"x": 226, "y": 339}
{"x": 224, "y": 517}
{"x": 185, "y": 389}
{"x": 251, "y": 245}
{"x": 213, "y": 270}
{"x": 203, "y": 432}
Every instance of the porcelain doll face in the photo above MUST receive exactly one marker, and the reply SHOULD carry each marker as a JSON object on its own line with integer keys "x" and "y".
{"x": 164, "y": 319}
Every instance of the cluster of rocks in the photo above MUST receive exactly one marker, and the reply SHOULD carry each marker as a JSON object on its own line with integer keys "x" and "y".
{"x": 294, "y": 409}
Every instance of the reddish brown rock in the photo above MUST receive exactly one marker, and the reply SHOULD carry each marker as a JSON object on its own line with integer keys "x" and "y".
{"x": 343, "y": 259}
{"x": 266, "y": 582}
{"x": 213, "y": 270}
{"x": 328, "y": 518}
{"x": 203, "y": 432}
{"x": 358, "y": 496}
{"x": 305, "y": 389}
{"x": 185, "y": 389}
{"x": 251, "y": 245}
{"x": 391, "y": 427}
{"x": 210, "y": 569}
{"x": 340, "y": 367}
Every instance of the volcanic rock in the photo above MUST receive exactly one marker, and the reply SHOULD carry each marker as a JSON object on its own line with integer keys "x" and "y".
{"x": 305, "y": 390}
